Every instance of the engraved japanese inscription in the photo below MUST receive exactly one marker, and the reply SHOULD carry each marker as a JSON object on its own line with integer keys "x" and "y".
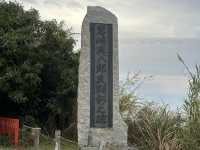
{"x": 101, "y": 92}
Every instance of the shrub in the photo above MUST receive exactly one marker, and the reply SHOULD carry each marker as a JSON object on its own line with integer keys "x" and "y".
{"x": 150, "y": 127}
{"x": 190, "y": 136}
{"x": 154, "y": 128}
{"x": 4, "y": 140}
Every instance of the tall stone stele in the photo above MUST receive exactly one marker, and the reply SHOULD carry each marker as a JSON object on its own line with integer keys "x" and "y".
{"x": 99, "y": 119}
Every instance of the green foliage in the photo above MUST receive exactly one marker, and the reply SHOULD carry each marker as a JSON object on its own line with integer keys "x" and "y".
{"x": 26, "y": 137}
{"x": 128, "y": 100}
{"x": 191, "y": 130}
{"x": 150, "y": 126}
{"x": 4, "y": 140}
{"x": 27, "y": 142}
{"x": 19, "y": 76}
{"x": 154, "y": 128}
{"x": 38, "y": 68}
{"x": 128, "y": 103}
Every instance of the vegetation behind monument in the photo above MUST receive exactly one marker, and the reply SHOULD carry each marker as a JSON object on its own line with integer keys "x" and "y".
{"x": 155, "y": 127}
{"x": 38, "y": 69}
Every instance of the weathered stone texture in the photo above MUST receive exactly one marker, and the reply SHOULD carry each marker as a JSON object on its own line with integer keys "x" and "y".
{"x": 117, "y": 134}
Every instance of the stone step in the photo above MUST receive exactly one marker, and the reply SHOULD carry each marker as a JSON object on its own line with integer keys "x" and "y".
{"x": 90, "y": 148}
{"x": 113, "y": 148}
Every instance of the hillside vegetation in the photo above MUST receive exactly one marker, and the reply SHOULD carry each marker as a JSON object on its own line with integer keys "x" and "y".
{"x": 155, "y": 127}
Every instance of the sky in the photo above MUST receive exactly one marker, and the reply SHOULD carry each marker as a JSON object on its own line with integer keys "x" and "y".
{"x": 151, "y": 33}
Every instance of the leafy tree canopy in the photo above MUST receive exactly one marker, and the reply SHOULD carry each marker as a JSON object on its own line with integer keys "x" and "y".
{"x": 38, "y": 68}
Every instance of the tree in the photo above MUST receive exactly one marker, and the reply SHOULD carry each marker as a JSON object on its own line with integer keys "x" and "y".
{"x": 38, "y": 67}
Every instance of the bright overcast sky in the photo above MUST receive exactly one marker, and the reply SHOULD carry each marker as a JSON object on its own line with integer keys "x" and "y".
{"x": 151, "y": 32}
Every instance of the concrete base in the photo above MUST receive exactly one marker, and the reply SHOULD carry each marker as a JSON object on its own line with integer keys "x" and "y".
{"x": 89, "y": 148}
{"x": 115, "y": 147}
{"x": 107, "y": 147}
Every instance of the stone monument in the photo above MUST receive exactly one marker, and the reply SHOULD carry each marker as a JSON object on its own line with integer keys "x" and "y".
{"x": 99, "y": 120}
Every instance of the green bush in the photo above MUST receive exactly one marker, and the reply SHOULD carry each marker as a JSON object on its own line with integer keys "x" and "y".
{"x": 38, "y": 68}
{"x": 190, "y": 136}
{"x": 4, "y": 140}
{"x": 154, "y": 128}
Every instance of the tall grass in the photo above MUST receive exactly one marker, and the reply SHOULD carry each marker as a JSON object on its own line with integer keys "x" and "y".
{"x": 190, "y": 136}
{"x": 155, "y": 127}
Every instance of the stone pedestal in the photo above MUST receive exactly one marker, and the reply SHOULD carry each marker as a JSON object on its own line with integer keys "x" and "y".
{"x": 91, "y": 131}
{"x": 89, "y": 148}
{"x": 36, "y": 136}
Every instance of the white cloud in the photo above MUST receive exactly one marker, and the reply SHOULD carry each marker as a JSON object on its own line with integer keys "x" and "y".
{"x": 163, "y": 27}
{"x": 167, "y": 89}
{"x": 137, "y": 18}
{"x": 167, "y": 84}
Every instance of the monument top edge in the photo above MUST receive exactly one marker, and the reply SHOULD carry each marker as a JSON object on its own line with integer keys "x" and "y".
{"x": 96, "y": 9}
